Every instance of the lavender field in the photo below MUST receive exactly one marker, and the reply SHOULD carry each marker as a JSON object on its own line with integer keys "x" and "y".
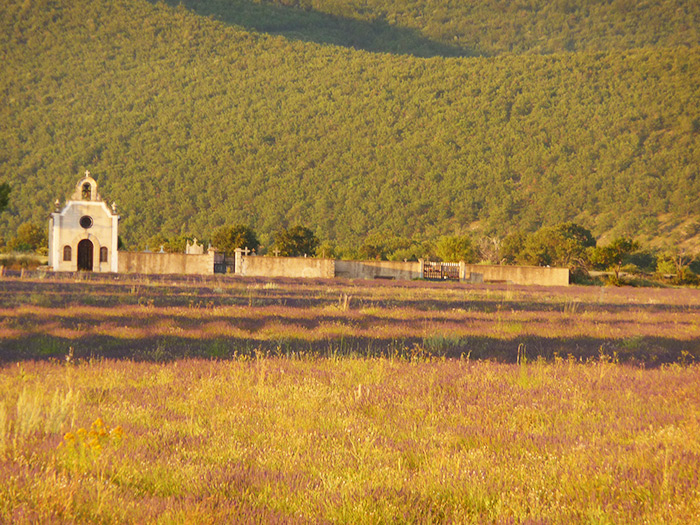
{"x": 217, "y": 400}
{"x": 163, "y": 319}
{"x": 349, "y": 441}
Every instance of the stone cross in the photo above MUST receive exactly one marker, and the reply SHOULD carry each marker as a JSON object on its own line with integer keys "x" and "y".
{"x": 246, "y": 251}
{"x": 276, "y": 252}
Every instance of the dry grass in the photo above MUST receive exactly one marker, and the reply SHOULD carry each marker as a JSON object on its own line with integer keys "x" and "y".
{"x": 380, "y": 411}
{"x": 349, "y": 441}
{"x": 217, "y": 317}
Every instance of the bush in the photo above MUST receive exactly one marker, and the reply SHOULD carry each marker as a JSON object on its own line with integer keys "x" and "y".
{"x": 580, "y": 275}
{"x": 686, "y": 277}
{"x": 616, "y": 280}
{"x": 8, "y": 262}
{"x": 644, "y": 260}
{"x": 631, "y": 269}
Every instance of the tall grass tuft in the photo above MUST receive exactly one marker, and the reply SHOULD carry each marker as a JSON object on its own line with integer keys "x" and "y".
{"x": 61, "y": 407}
{"x": 28, "y": 413}
{"x": 3, "y": 431}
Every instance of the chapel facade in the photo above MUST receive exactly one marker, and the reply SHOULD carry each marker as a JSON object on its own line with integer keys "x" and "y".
{"x": 84, "y": 234}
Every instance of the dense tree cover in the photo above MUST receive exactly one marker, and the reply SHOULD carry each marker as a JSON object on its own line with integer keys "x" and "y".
{"x": 483, "y": 27}
{"x": 4, "y": 195}
{"x": 191, "y": 123}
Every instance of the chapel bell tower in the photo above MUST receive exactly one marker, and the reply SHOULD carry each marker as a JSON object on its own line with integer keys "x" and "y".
{"x": 84, "y": 234}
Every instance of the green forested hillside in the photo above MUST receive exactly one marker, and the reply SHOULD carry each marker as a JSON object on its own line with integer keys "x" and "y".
{"x": 476, "y": 27}
{"x": 193, "y": 116}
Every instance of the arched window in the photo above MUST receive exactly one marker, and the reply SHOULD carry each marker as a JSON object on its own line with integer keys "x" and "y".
{"x": 67, "y": 253}
{"x": 87, "y": 191}
{"x": 103, "y": 254}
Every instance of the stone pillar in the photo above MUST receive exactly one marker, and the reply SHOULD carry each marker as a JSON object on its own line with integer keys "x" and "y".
{"x": 50, "y": 237}
{"x": 462, "y": 271}
{"x": 238, "y": 261}
{"x": 113, "y": 256}
{"x": 421, "y": 265}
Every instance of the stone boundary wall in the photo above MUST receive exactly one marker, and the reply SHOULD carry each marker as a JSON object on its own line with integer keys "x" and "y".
{"x": 167, "y": 263}
{"x": 378, "y": 270}
{"x": 539, "y": 275}
{"x": 256, "y": 266}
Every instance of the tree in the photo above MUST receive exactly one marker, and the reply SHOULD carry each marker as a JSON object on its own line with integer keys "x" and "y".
{"x": 175, "y": 244}
{"x": 566, "y": 244}
{"x": 296, "y": 241}
{"x": 326, "y": 250}
{"x": 156, "y": 241}
{"x": 374, "y": 246}
{"x": 4, "y": 195}
{"x": 612, "y": 256}
{"x": 386, "y": 247}
{"x": 675, "y": 261}
{"x": 573, "y": 243}
{"x": 228, "y": 238}
{"x": 512, "y": 247}
{"x": 409, "y": 250}
{"x": 490, "y": 249}
{"x": 29, "y": 238}
{"x": 455, "y": 249}
{"x": 539, "y": 247}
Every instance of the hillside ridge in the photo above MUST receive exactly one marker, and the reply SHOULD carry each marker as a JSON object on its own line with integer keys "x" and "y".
{"x": 190, "y": 122}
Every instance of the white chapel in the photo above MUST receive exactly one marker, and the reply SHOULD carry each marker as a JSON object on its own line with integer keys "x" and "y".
{"x": 84, "y": 235}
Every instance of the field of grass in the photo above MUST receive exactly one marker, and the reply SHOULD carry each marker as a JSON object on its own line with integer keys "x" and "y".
{"x": 170, "y": 318}
{"x": 348, "y": 440}
{"x": 206, "y": 400}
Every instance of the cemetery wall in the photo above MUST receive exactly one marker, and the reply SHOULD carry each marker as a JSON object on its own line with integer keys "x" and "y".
{"x": 537, "y": 275}
{"x": 167, "y": 263}
{"x": 255, "y": 266}
{"x": 378, "y": 270}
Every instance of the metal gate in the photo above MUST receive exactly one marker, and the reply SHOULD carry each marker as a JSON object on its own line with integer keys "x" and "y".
{"x": 441, "y": 271}
{"x": 224, "y": 265}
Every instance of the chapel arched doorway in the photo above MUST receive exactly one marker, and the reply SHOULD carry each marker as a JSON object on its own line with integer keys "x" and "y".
{"x": 85, "y": 249}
